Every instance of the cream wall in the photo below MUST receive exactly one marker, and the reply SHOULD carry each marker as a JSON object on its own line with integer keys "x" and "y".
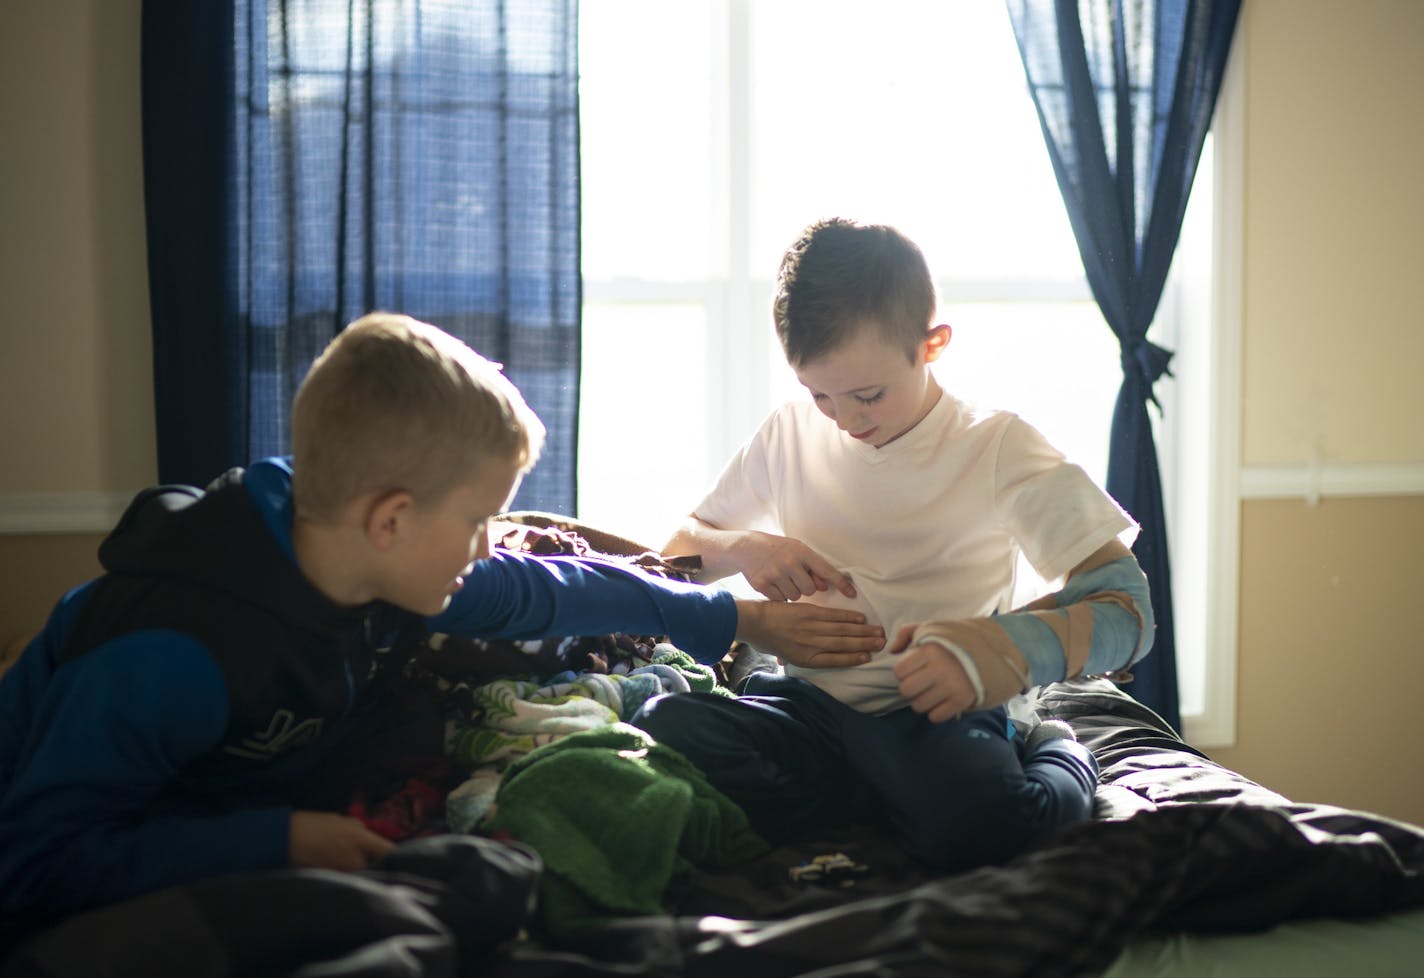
{"x": 1334, "y": 231}
{"x": 76, "y": 400}
{"x": 76, "y": 404}
{"x": 1330, "y": 657}
{"x": 1331, "y": 666}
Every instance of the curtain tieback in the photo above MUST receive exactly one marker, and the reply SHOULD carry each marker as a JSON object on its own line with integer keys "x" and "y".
{"x": 1147, "y": 362}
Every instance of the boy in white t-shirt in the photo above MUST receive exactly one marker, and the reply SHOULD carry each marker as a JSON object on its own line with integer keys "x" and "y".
{"x": 887, "y": 495}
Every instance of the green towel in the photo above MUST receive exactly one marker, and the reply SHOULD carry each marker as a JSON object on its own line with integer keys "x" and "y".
{"x": 619, "y": 820}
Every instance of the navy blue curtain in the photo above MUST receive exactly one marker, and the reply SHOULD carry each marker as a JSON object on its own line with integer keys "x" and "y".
{"x": 198, "y": 351}
{"x": 1125, "y": 91}
{"x": 307, "y": 161}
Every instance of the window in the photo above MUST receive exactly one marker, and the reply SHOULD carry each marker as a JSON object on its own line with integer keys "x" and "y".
{"x": 714, "y": 131}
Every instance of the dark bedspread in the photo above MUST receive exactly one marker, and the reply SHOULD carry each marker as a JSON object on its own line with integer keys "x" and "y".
{"x": 1177, "y": 843}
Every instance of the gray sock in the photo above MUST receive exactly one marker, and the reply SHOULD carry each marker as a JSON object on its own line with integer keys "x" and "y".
{"x": 1048, "y": 730}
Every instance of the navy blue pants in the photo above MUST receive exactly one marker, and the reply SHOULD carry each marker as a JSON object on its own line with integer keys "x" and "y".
{"x": 954, "y": 795}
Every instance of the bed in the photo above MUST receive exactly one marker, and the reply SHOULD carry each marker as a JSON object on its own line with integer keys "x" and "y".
{"x": 610, "y": 864}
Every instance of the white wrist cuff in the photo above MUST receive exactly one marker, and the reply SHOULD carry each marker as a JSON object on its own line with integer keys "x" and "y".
{"x": 965, "y": 660}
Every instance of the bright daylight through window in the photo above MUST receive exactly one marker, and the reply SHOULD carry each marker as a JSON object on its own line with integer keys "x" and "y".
{"x": 714, "y": 131}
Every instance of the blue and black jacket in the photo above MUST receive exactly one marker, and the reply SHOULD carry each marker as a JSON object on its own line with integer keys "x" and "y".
{"x": 162, "y": 725}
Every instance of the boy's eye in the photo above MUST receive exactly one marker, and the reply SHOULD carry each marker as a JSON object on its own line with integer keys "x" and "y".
{"x": 871, "y": 399}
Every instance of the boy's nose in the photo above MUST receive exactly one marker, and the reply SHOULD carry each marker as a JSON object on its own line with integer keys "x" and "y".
{"x": 851, "y": 419}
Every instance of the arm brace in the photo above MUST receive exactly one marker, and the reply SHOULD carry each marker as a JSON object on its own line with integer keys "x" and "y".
{"x": 1099, "y": 624}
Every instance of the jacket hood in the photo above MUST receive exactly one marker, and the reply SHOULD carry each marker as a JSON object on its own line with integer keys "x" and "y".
{"x": 217, "y": 537}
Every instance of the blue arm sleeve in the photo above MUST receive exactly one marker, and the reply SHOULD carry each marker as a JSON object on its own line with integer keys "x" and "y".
{"x": 1120, "y": 636}
{"x": 88, "y": 816}
{"x": 522, "y": 596}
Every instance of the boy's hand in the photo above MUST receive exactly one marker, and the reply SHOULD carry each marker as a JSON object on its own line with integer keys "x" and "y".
{"x": 784, "y": 569}
{"x": 808, "y": 635}
{"x": 931, "y": 678}
{"x": 325, "y": 840}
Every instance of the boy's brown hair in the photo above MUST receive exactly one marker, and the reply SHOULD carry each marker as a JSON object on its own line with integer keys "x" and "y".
{"x": 393, "y": 403}
{"x": 839, "y": 275}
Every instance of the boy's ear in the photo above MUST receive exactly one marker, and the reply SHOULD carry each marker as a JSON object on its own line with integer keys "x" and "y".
{"x": 936, "y": 341}
{"x": 385, "y": 516}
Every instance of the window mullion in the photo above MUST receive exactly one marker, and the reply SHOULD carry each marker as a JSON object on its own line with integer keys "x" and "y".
{"x": 740, "y": 333}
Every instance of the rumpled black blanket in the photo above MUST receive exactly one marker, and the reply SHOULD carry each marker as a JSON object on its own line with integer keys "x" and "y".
{"x": 438, "y": 907}
{"x": 1177, "y": 843}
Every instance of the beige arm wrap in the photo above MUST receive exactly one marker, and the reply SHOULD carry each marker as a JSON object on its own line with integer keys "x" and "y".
{"x": 1100, "y": 623}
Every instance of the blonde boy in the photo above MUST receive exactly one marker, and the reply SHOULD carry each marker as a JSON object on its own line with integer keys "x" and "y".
{"x": 885, "y": 494}
{"x": 160, "y": 729}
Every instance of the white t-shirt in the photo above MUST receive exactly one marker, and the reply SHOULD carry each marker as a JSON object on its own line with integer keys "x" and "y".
{"x": 929, "y": 527}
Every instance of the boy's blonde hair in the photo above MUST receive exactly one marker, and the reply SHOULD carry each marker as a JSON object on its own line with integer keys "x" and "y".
{"x": 837, "y": 276}
{"x": 393, "y": 403}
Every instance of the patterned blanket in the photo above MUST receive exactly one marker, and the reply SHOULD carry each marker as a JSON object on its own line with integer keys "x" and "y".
{"x": 505, "y": 719}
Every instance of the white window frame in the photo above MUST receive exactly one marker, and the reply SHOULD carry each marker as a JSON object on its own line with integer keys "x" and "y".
{"x": 740, "y": 346}
{"x": 1215, "y": 725}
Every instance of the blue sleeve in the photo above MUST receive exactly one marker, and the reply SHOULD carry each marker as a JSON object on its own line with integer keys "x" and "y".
{"x": 22, "y": 686}
{"x": 88, "y": 815}
{"x": 521, "y": 596}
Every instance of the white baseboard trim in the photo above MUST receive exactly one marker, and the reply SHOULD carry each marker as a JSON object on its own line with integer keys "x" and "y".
{"x": 1311, "y": 482}
{"x": 61, "y": 512}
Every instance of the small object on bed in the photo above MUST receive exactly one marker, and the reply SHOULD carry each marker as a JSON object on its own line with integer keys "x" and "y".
{"x": 828, "y": 869}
